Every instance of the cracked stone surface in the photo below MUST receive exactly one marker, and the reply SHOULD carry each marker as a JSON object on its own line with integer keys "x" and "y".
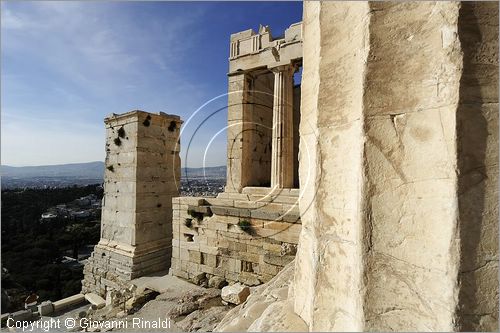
{"x": 399, "y": 117}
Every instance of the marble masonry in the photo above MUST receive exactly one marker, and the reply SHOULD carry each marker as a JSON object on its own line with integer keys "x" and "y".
{"x": 251, "y": 230}
{"x": 141, "y": 177}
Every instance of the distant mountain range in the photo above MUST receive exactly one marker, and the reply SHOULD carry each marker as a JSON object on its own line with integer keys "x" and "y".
{"x": 210, "y": 172}
{"x": 91, "y": 171}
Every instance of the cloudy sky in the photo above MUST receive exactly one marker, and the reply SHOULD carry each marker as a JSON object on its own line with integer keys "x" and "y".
{"x": 66, "y": 65}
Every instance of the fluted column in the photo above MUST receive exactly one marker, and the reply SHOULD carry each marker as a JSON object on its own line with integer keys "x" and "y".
{"x": 282, "y": 139}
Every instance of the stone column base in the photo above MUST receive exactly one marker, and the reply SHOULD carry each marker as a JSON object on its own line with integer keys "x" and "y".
{"x": 108, "y": 269}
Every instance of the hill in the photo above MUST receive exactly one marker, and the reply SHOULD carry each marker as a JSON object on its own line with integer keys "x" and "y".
{"x": 90, "y": 170}
{"x": 63, "y": 175}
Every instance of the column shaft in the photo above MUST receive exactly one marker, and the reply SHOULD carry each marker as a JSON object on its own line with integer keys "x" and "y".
{"x": 238, "y": 156}
{"x": 282, "y": 140}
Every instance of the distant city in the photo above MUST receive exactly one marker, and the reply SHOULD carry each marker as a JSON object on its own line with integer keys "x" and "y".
{"x": 207, "y": 187}
{"x": 207, "y": 181}
{"x": 61, "y": 210}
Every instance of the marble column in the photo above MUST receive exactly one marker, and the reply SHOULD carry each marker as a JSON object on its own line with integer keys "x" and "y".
{"x": 282, "y": 136}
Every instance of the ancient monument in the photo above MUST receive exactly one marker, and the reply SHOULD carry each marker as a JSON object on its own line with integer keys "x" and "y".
{"x": 249, "y": 232}
{"x": 381, "y": 167}
{"x": 142, "y": 171}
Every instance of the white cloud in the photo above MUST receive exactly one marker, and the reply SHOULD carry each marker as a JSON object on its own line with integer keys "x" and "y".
{"x": 11, "y": 21}
{"x": 95, "y": 42}
{"x": 99, "y": 58}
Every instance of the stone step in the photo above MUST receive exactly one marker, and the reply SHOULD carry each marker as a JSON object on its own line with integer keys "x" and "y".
{"x": 286, "y": 199}
{"x": 232, "y": 196}
{"x": 294, "y": 192}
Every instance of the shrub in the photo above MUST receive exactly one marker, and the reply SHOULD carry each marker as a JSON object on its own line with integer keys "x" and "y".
{"x": 245, "y": 226}
{"x": 195, "y": 214}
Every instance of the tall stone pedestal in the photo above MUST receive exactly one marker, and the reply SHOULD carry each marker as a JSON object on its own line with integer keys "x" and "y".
{"x": 141, "y": 177}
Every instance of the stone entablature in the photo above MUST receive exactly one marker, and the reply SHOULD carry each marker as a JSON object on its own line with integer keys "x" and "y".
{"x": 239, "y": 237}
{"x": 250, "y": 50}
{"x": 141, "y": 177}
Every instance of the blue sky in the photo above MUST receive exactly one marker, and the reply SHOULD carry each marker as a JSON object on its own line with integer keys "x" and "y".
{"x": 66, "y": 65}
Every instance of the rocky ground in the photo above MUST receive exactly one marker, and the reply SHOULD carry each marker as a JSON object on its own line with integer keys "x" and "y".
{"x": 268, "y": 308}
{"x": 184, "y": 306}
{"x": 180, "y": 306}
{"x": 197, "y": 309}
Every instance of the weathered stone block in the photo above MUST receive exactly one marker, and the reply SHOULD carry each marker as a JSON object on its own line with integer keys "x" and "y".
{"x": 217, "y": 282}
{"x": 209, "y": 259}
{"x": 235, "y": 294}
{"x": 236, "y": 246}
{"x": 199, "y": 278}
{"x": 207, "y": 269}
{"x": 45, "y": 308}
{"x": 266, "y": 214}
{"x": 249, "y": 279}
{"x": 95, "y": 300}
{"x": 277, "y": 260}
{"x": 68, "y": 302}
{"x": 273, "y": 247}
{"x": 269, "y": 269}
{"x": 247, "y": 256}
{"x": 231, "y": 276}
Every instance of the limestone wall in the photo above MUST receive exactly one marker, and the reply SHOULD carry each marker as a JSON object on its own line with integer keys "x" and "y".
{"x": 208, "y": 241}
{"x": 398, "y": 164}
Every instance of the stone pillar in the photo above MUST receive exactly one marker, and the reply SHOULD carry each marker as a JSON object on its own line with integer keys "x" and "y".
{"x": 238, "y": 156}
{"x": 141, "y": 177}
{"x": 282, "y": 137}
{"x": 399, "y": 167}
{"x": 477, "y": 147}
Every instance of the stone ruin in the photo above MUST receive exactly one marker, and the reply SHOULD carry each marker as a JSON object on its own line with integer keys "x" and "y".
{"x": 251, "y": 230}
{"x": 246, "y": 234}
{"x": 141, "y": 177}
{"x": 380, "y": 170}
